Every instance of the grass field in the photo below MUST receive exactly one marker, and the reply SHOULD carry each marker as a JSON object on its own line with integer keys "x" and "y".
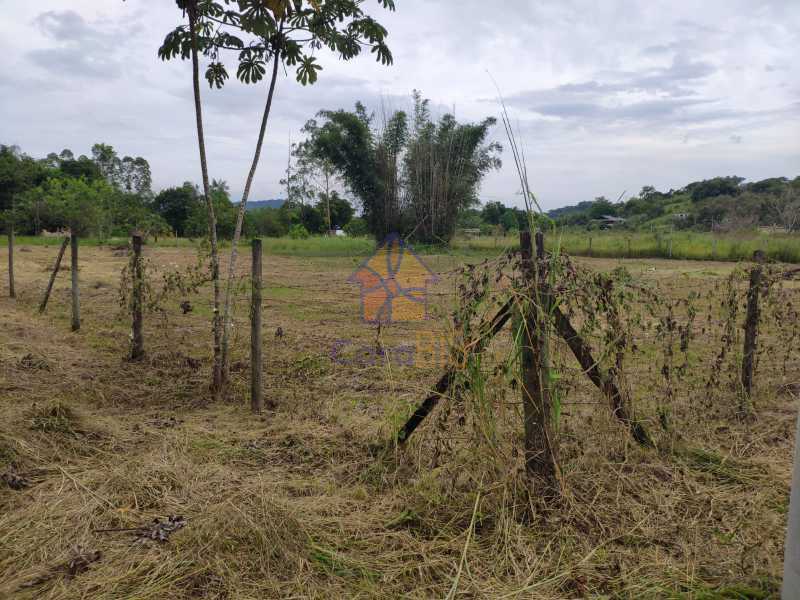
{"x": 676, "y": 245}
{"x": 309, "y": 501}
{"x": 600, "y": 244}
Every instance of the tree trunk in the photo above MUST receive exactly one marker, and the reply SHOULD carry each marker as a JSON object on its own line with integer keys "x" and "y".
{"x": 328, "y": 200}
{"x": 53, "y": 275}
{"x": 541, "y": 447}
{"x": 226, "y": 318}
{"x": 76, "y": 297}
{"x": 216, "y": 377}
{"x": 12, "y": 293}
{"x": 137, "y": 345}
{"x": 256, "y": 393}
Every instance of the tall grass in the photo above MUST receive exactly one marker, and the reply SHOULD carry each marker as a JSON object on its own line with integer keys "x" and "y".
{"x": 678, "y": 245}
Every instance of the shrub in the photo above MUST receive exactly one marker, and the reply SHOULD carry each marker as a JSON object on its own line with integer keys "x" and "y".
{"x": 356, "y": 228}
{"x": 298, "y": 232}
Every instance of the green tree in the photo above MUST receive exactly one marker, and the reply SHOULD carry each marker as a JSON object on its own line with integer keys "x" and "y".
{"x": 602, "y": 207}
{"x": 414, "y": 179}
{"x": 338, "y": 210}
{"x": 80, "y": 168}
{"x": 710, "y": 188}
{"x": 78, "y": 204}
{"x": 268, "y": 222}
{"x": 177, "y": 204}
{"x": 357, "y": 227}
{"x": 224, "y": 211}
{"x": 263, "y": 31}
{"x": 18, "y": 173}
{"x": 492, "y": 212}
{"x": 444, "y": 164}
{"x": 128, "y": 174}
{"x": 509, "y": 221}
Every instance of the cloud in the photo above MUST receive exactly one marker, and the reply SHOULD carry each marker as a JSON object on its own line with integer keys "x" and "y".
{"x": 81, "y": 50}
{"x": 73, "y": 62}
{"x": 605, "y": 96}
{"x": 64, "y": 26}
{"x": 649, "y": 95}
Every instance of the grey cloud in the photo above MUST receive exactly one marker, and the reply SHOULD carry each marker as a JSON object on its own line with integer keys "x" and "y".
{"x": 82, "y": 50}
{"x": 648, "y": 109}
{"x": 650, "y": 94}
{"x": 69, "y": 62}
{"x": 63, "y": 26}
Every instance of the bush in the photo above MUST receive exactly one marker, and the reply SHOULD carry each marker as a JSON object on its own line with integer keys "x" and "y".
{"x": 298, "y": 232}
{"x": 356, "y": 228}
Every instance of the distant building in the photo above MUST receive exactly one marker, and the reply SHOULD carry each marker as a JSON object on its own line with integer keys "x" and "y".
{"x": 608, "y": 221}
{"x": 680, "y": 216}
{"x": 471, "y": 232}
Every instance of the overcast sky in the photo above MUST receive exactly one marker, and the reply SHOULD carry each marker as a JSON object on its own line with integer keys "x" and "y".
{"x": 607, "y": 96}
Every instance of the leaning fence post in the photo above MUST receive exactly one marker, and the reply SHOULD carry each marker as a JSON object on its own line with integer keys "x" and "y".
{"x": 56, "y": 268}
{"x": 11, "y": 291}
{"x": 751, "y": 328}
{"x": 137, "y": 345}
{"x": 76, "y": 300}
{"x": 256, "y": 393}
{"x": 540, "y": 439}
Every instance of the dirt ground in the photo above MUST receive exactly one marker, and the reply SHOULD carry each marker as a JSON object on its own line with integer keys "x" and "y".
{"x": 308, "y": 500}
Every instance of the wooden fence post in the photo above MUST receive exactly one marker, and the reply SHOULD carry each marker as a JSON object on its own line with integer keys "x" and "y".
{"x": 590, "y": 245}
{"x": 670, "y": 247}
{"x": 53, "y": 275}
{"x": 629, "y": 248}
{"x": 751, "y": 329}
{"x": 12, "y": 293}
{"x": 137, "y": 345}
{"x": 256, "y": 392}
{"x": 791, "y": 557}
{"x": 540, "y": 440}
{"x": 76, "y": 299}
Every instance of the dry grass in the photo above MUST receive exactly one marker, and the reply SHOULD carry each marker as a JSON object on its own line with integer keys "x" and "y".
{"x": 307, "y": 501}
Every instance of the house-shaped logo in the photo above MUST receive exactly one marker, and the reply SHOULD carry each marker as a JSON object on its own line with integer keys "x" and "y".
{"x": 394, "y": 284}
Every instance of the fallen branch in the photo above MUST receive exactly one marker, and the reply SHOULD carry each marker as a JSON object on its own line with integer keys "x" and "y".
{"x": 446, "y": 380}
{"x": 605, "y": 384}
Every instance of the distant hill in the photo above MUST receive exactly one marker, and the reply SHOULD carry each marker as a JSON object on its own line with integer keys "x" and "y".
{"x": 720, "y": 203}
{"x": 274, "y": 203}
{"x": 568, "y": 210}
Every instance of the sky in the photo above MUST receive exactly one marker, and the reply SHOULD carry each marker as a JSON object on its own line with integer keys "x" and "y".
{"x": 606, "y": 97}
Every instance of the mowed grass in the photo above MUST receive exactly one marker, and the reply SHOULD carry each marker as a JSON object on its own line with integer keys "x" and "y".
{"x": 309, "y": 500}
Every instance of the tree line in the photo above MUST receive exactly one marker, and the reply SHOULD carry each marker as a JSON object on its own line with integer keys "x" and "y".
{"x": 103, "y": 195}
{"x": 720, "y": 203}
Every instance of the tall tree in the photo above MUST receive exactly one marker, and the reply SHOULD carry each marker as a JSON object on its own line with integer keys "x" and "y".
{"x": 18, "y": 173}
{"x": 410, "y": 179}
{"x": 313, "y": 178}
{"x": 176, "y": 205}
{"x": 276, "y": 31}
{"x": 187, "y": 40}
